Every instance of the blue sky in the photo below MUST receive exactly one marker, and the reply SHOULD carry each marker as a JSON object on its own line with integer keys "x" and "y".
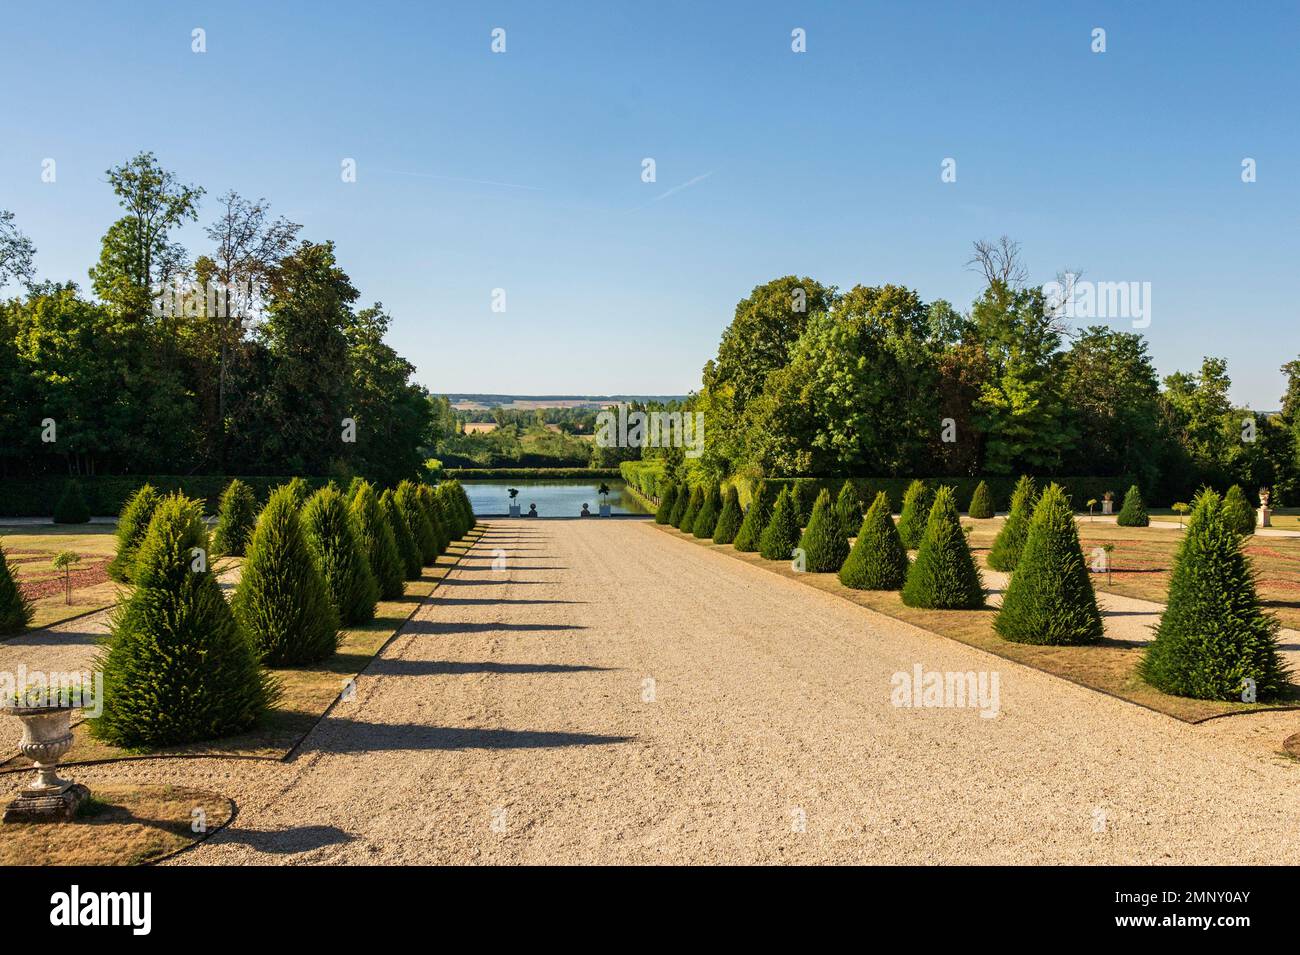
{"x": 522, "y": 170}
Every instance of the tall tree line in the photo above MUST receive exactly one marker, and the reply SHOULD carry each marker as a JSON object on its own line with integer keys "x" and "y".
{"x": 250, "y": 357}
{"x": 874, "y": 381}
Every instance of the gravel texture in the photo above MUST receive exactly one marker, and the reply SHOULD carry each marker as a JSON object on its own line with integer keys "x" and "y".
{"x": 616, "y": 695}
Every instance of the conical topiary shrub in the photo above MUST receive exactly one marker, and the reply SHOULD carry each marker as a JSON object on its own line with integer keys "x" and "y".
{"x": 1237, "y": 511}
{"x": 823, "y": 543}
{"x": 354, "y": 485}
{"x": 664, "y": 513}
{"x": 408, "y": 504}
{"x": 680, "y": 505}
{"x": 1214, "y": 635}
{"x": 177, "y": 666}
{"x": 442, "y": 534}
{"x": 406, "y": 547}
{"x": 707, "y": 517}
{"x": 299, "y": 489}
{"x": 981, "y": 503}
{"x": 781, "y": 536}
{"x": 334, "y": 543}
{"x": 944, "y": 575}
{"x": 878, "y": 560}
{"x": 282, "y": 601}
{"x": 693, "y": 505}
{"x": 1134, "y": 511}
{"x": 756, "y": 518}
{"x": 448, "y": 503}
{"x": 724, "y": 532}
{"x": 917, "y": 501}
{"x": 848, "y": 509}
{"x": 236, "y": 518}
{"x": 462, "y": 506}
{"x": 1050, "y": 598}
{"x": 803, "y": 494}
{"x": 15, "y": 608}
{"x": 1010, "y": 541}
{"x": 71, "y": 507}
{"x": 131, "y": 526}
{"x": 375, "y": 536}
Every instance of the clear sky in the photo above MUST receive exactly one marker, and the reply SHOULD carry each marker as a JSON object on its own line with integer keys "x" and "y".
{"x": 522, "y": 170}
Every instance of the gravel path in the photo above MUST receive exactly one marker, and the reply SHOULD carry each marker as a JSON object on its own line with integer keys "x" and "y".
{"x": 618, "y": 695}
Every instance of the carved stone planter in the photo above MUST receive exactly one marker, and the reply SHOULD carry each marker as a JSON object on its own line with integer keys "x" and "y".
{"x": 514, "y": 510}
{"x": 47, "y": 736}
{"x": 605, "y": 510}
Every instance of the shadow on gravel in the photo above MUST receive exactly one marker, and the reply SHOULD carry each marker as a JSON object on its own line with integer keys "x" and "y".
{"x": 457, "y": 582}
{"x": 490, "y": 601}
{"x": 355, "y": 736}
{"x": 286, "y": 841}
{"x": 387, "y": 667}
{"x": 439, "y": 627}
{"x": 513, "y": 565}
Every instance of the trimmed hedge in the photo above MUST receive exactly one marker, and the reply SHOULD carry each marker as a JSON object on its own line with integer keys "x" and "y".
{"x": 178, "y": 667}
{"x": 1214, "y": 634}
{"x": 71, "y": 507}
{"x": 236, "y": 519}
{"x": 1050, "y": 600}
{"x": 1134, "y": 511}
{"x": 878, "y": 560}
{"x": 1005, "y": 551}
{"x": 944, "y": 575}
{"x": 824, "y": 543}
{"x": 981, "y": 503}
{"x": 729, "y": 520}
{"x": 523, "y": 474}
{"x": 648, "y": 477}
{"x": 282, "y": 600}
{"x": 781, "y": 536}
{"x": 132, "y": 524}
{"x": 15, "y": 608}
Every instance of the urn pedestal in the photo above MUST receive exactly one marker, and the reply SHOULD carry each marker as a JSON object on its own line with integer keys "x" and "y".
{"x": 1265, "y": 517}
{"x": 1108, "y": 507}
{"x": 47, "y": 735}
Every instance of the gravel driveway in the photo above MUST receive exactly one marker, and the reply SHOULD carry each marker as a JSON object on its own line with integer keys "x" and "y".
{"x": 617, "y": 695}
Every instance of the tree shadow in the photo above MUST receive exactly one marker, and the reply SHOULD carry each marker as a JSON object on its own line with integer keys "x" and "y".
{"x": 458, "y": 582}
{"x": 486, "y": 566}
{"x": 490, "y": 601}
{"x": 393, "y": 667}
{"x": 438, "y": 627}
{"x": 286, "y": 841}
{"x": 356, "y": 736}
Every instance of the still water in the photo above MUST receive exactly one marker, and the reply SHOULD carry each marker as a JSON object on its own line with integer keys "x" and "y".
{"x": 553, "y": 498}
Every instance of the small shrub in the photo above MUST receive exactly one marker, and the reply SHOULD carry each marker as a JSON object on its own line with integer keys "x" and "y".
{"x": 823, "y": 542}
{"x": 878, "y": 560}
{"x": 1134, "y": 511}
{"x": 693, "y": 505}
{"x": 781, "y": 536}
{"x": 1050, "y": 598}
{"x": 981, "y": 503}
{"x": 679, "y": 506}
{"x": 299, "y": 489}
{"x": 756, "y": 518}
{"x": 406, "y": 547}
{"x": 375, "y": 536}
{"x": 443, "y": 532}
{"x": 707, "y": 518}
{"x": 729, "y": 520}
{"x": 332, "y": 538}
{"x": 282, "y": 601}
{"x": 916, "y": 508}
{"x": 236, "y": 518}
{"x": 944, "y": 575}
{"x": 1005, "y": 552}
{"x": 177, "y": 666}
{"x": 71, "y": 508}
{"x": 664, "y": 513}
{"x": 1214, "y": 634}
{"x": 1237, "y": 511}
{"x": 407, "y": 499}
{"x": 15, "y": 608}
{"x": 132, "y": 524}
{"x": 848, "y": 509}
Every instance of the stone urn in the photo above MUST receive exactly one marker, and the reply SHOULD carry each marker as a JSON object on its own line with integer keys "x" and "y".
{"x": 1108, "y": 502}
{"x": 47, "y": 736}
